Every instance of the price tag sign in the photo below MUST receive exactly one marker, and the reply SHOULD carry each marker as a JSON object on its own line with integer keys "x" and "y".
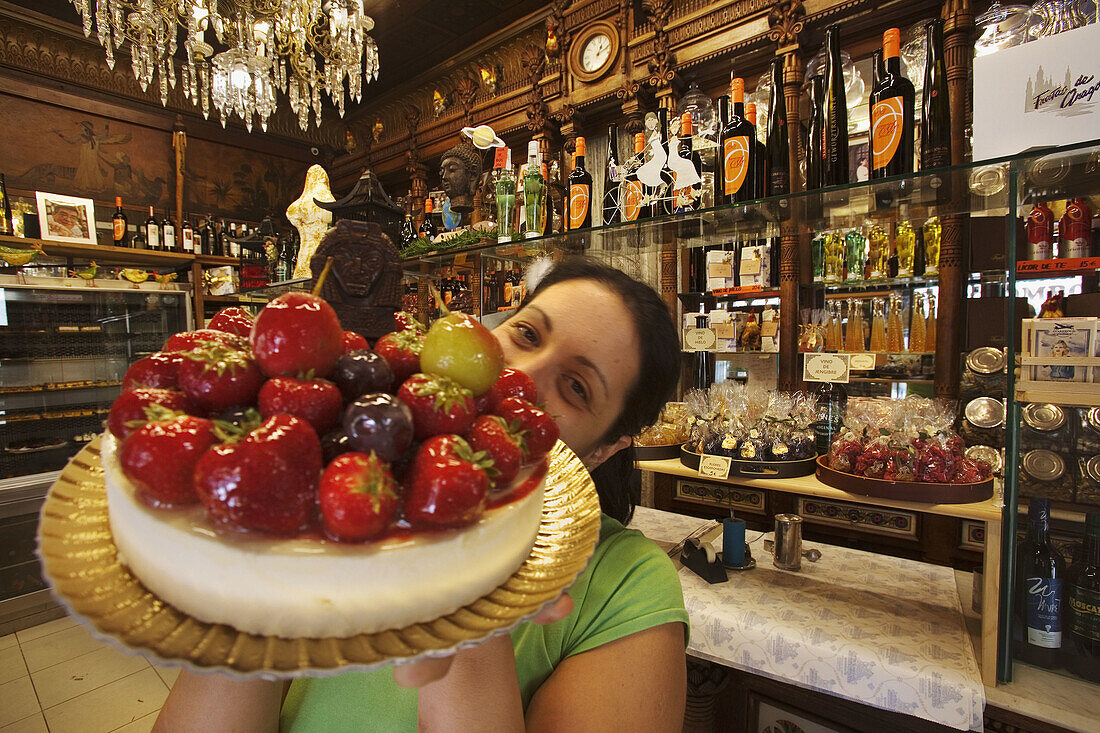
{"x": 861, "y": 362}
{"x": 715, "y": 466}
{"x": 700, "y": 339}
{"x": 826, "y": 368}
{"x": 3, "y": 309}
{"x": 500, "y": 158}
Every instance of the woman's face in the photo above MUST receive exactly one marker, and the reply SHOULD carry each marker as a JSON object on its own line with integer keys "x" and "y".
{"x": 576, "y": 340}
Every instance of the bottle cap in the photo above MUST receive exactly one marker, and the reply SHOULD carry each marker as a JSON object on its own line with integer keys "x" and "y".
{"x": 750, "y": 112}
{"x": 118, "y": 201}
{"x": 639, "y": 142}
{"x": 532, "y": 148}
{"x": 891, "y": 43}
{"x": 685, "y": 123}
{"x": 428, "y": 205}
{"x": 1044, "y": 417}
{"x": 737, "y": 90}
{"x": 580, "y": 146}
{"x": 985, "y": 412}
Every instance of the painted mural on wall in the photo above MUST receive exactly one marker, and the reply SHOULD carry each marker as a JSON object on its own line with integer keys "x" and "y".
{"x": 48, "y": 148}
{"x": 241, "y": 184}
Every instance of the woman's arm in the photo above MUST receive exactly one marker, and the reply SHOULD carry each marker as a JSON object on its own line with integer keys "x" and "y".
{"x": 215, "y": 702}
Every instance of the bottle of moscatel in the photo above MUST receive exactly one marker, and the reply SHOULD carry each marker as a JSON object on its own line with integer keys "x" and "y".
{"x": 1039, "y": 592}
{"x": 119, "y": 224}
{"x": 935, "y": 126}
{"x": 778, "y": 142}
{"x": 612, "y": 210}
{"x": 1083, "y": 656}
{"x": 737, "y": 149}
{"x": 168, "y": 232}
{"x": 835, "y": 115}
{"x": 815, "y": 144}
{"x": 427, "y": 227}
{"x": 187, "y": 236}
{"x": 580, "y": 191}
{"x": 892, "y": 114}
{"x": 152, "y": 232}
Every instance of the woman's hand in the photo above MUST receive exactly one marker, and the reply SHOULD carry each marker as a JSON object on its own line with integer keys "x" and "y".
{"x": 425, "y": 671}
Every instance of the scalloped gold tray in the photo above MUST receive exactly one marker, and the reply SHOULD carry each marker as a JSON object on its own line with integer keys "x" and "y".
{"x": 81, "y": 562}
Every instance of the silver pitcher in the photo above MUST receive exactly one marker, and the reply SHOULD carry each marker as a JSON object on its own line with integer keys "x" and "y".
{"x": 788, "y": 542}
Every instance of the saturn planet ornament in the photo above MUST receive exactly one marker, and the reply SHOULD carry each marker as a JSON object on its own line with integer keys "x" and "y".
{"x": 483, "y": 137}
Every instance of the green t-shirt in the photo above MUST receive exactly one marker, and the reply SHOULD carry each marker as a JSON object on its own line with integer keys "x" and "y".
{"x": 628, "y": 586}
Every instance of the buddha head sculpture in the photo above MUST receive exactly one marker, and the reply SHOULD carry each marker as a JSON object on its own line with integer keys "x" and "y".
{"x": 460, "y": 170}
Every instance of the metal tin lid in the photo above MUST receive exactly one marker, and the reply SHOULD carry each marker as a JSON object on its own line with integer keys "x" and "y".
{"x": 1044, "y": 465}
{"x": 986, "y": 360}
{"x": 1092, "y": 418}
{"x": 985, "y": 412}
{"x": 986, "y": 453}
{"x": 1092, "y": 469}
{"x": 1044, "y": 417}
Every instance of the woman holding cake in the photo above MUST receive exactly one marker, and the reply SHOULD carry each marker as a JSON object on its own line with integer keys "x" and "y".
{"x": 603, "y": 352}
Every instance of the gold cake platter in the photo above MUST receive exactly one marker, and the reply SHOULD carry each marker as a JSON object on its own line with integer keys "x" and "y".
{"x": 81, "y": 561}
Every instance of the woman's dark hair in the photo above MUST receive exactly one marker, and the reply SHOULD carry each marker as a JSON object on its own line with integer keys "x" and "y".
{"x": 658, "y": 373}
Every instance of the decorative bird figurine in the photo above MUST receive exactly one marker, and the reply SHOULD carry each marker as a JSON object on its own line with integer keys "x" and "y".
{"x": 165, "y": 279}
{"x": 20, "y": 256}
{"x": 88, "y": 273}
{"x": 135, "y": 276}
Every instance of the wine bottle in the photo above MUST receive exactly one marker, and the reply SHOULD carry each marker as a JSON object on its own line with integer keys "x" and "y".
{"x": 835, "y": 113}
{"x": 187, "y": 236}
{"x": 778, "y": 143}
{"x": 723, "y": 117}
{"x": 737, "y": 149}
{"x": 1084, "y": 607}
{"x": 686, "y": 197}
{"x": 119, "y": 224}
{"x": 168, "y": 230}
{"x": 1039, "y": 591}
{"x": 427, "y": 226}
{"x": 661, "y": 195}
{"x": 935, "y": 126}
{"x": 632, "y": 187}
{"x": 892, "y": 114}
{"x": 505, "y": 199}
{"x": 534, "y": 196}
{"x": 612, "y": 178}
{"x": 760, "y": 157}
{"x": 152, "y": 231}
{"x": 580, "y": 191}
{"x": 815, "y": 145}
{"x": 878, "y": 68}
{"x": 408, "y": 231}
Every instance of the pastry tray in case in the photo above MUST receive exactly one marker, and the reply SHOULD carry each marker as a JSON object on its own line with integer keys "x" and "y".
{"x": 755, "y": 469}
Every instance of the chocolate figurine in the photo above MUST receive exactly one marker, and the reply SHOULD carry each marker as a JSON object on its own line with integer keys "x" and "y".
{"x": 460, "y": 170}
{"x": 364, "y": 285}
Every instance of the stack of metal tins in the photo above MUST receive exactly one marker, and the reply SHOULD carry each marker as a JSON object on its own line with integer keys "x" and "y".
{"x": 1087, "y": 445}
{"x": 1047, "y": 459}
{"x": 983, "y": 392}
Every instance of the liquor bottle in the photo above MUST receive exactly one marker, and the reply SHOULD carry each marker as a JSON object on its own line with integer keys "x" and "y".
{"x": 549, "y": 211}
{"x": 1039, "y": 591}
{"x": 834, "y": 257}
{"x": 612, "y": 178}
{"x": 835, "y": 113}
{"x": 1084, "y": 607}
{"x": 187, "y": 236}
{"x": 408, "y": 231}
{"x": 209, "y": 241}
{"x": 892, "y": 114}
{"x": 855, "y": 254}
{"x": 878, "y": 68}
{"x": 427, "y": 226}
{"x": 632, "y": 187}
{"x": 196, "y": 241}
{"x": 224, "y": 242}
{"x": 853, "y": 334}
{"x": 1040, "y": 233}
{"x": 534, "y": 191}
{"x": 737, "y": 149}
{"x": 832, "y": 401}
{"x": 580, "y": 191}
{"x": 661, "y": 195}
{"x": 687, "y": 198}
{"x": 760, "y": 157}
{"x": 817, "y": 256}
{"x": 778, "y": 144}
{"x": 723, "y": 117}
{"x": 705, "y": 361}
{"x": 506, "y": 199}
{"x": 931, "y": 234}
{"x": 935, "y": 125}
{"x": 1075, "y": 230}
{"x": 878, "y": 326}
{"x": 905, "y": 242}
{"x": 917, "y": 325}
{"x": 152, "y": 232}
{"x": 930, "y": 325}
{"x": 878, "y": 252}
{"x": 118, "y": 224}
{"x": 168, "y": 230}
{"x": 815, "y": 139}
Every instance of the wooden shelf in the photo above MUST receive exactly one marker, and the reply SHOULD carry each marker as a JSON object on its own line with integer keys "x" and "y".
{"x": 233, "y": 299}
{"x": 215, "y": 261}
{"x": 1088, "y": 395}
{"x": 103, "y": 254}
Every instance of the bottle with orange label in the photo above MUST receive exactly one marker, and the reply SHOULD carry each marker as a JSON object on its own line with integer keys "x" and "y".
{"x": 736, "y": 146}
{"x": 118, "y": 224}
{"x": 892, "y": 114}
{"x": 687, "y": 198}
{"x": 580, "y": 191}
{"x": 633, "y": 193}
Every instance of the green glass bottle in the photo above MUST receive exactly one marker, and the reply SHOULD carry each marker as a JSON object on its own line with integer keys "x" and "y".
{"x": 817, "y": 249}
{"x": 506, "y": 199}
{"x": 534, "y": 191}
{"x": 855, "y": 254}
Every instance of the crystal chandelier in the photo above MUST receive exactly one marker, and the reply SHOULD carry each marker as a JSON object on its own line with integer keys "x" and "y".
{"x": 299, "y": 47}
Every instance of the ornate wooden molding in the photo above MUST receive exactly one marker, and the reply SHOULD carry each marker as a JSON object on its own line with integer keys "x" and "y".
{"x": 661, "y": 62}
{"x": 786, "y": 20}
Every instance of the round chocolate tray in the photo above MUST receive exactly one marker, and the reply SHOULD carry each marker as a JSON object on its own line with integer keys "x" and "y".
{"x": 903, "y": 490}
{"x": 656, "y": 452}
{"x": 755, "y": 469}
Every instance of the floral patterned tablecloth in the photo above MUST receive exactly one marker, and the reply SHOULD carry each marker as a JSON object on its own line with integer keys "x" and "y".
{"x": 879, "y": 630}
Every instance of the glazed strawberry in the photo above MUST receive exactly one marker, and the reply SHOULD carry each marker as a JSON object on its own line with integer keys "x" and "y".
{"x": 358, "y": 497}
{"x": 354, "y": 342}
{"x": 188, "y": 340}
{"x": 234, "y": 320}
{"x": 156, "y": 370}
{"x": 267, "y": 482}
{"x": 503, "y": 443}
{"x": 403, "y": 320}
{"x": 438, "y": 404}
{"x": 217, "y": 377}
{"x": 447, "y": 484}
{"x": 160, "y": 457}
{"x": 297, "y": 333}
{"x": 128, "y": 411}
{"x": 401, "y": 350}
{"x": 541, "y": 432}
{"x": 512, "y": 383}
{"x": 317, "y": 401}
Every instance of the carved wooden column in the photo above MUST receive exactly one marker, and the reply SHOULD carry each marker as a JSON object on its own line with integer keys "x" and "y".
{"x": 179, "y": 147}
{"x": 958, "y": 51}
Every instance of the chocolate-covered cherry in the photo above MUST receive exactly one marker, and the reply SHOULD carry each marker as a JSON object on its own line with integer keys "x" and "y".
{"x": 381, "y": 423}
{"x": 362, "y": 372}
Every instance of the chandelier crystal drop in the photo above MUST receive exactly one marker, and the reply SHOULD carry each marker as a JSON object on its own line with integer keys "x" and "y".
{"x": 300, "y": 48}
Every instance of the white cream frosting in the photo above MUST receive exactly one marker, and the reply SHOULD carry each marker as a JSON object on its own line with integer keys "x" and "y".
{"x": 312, "y": 588}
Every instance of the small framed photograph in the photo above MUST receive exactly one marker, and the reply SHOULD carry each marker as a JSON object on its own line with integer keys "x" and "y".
{"x": 1058, "y": 338}
{"x": 66, "y": 218}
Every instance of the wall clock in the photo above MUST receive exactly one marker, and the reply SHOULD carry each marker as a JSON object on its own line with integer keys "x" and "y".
{"x": 594, "y": 51}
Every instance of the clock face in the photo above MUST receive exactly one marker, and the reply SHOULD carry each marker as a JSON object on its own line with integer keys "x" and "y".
{"x": 595, "y": 52}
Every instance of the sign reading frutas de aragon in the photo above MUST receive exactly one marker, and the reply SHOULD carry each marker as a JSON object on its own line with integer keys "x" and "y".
{"x": 1039, "y": 94}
